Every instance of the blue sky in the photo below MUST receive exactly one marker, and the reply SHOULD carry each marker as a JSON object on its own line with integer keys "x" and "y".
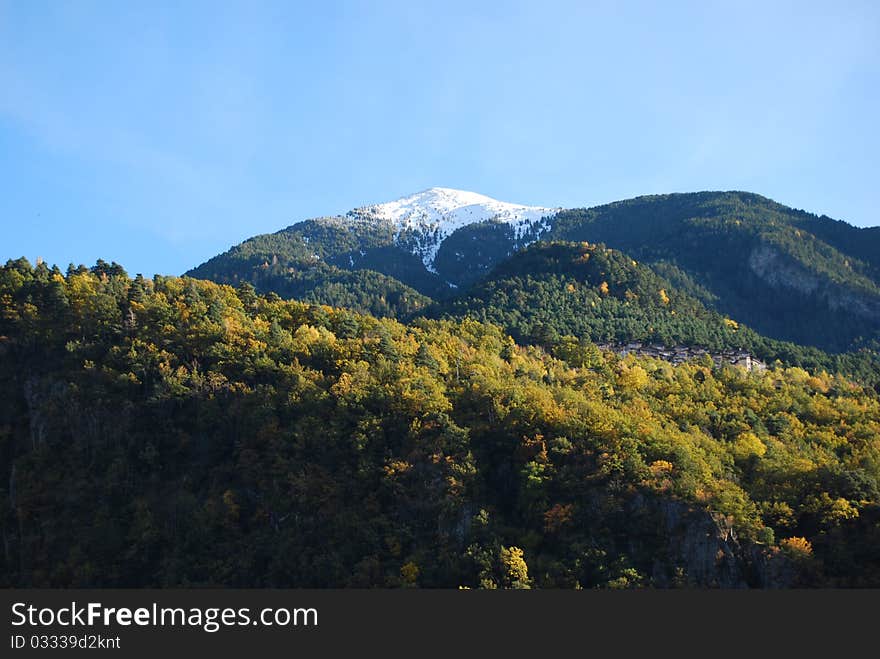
{"x": 159, "y": 134}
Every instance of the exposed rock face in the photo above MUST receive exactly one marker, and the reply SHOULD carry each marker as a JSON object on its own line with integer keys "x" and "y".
{"x": 783, "y": 274}
{"x": 701, "y": 549}
{"x": 704, "y": 548}
{"x": 769, "y": 265}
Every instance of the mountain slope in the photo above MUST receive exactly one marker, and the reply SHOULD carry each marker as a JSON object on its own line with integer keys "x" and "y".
{"x": 552, "y": 289}
{"x": 433, "y": 241}
{"x": 422, "y": 221}
{"x": 788, "y": 274}
{"x": 861, "y": 242}
{"x": 175, "y": 432}
{"x": 757, "y": 259}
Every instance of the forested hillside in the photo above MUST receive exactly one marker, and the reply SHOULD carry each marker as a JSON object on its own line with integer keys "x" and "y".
{"x": 176, "y": 432}
{"x": 309, "y": 251}
{"x": 788, "y": 274}
{"x": 555, "y": 289}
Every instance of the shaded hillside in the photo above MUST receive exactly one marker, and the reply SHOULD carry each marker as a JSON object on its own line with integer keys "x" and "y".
{"x": 757, "y": 260}
{"x": 553, "y": 290}
{"x": 298, "y": 263}
{"x": 315, "y": 243}
{"x": 863, "y": 243}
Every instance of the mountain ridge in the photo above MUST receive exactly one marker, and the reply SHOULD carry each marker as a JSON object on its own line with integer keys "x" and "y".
{"x": 789, "y": 274}
{"x": 430, "y": 216}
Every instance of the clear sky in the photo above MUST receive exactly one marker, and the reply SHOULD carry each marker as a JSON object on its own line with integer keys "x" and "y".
{"x": 159, "y": 134}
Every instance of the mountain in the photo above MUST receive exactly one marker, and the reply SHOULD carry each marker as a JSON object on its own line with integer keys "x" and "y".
{"x": 433, "y": 241}
{"x": 750, "y": 258}
{"x": 786, "y": 273}
{"x": 423, "y": 221}
{"x": 434, "y": 409}
{"x": 553, "y": 291}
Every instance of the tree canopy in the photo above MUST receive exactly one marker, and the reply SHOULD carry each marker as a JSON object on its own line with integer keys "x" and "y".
{"x": 172, "y": 431}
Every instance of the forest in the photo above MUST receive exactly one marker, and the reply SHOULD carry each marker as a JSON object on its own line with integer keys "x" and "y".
{"x": 180, "y": 432}
{"x": 554, "y": 289}
{"x": 789, "y": 274}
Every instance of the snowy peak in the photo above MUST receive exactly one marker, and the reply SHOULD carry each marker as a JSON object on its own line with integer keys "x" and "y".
{"x": 442, "y": 206}
{"x": 427, "y": 218}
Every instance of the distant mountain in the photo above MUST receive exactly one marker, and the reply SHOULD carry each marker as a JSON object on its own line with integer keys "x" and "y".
{"x": 751, "y": 258}
{"x": 423, "y": 221}
{"x": 552, "y": 291}
{"x": 786, "y": 273}
{"x": 434, "y": 241}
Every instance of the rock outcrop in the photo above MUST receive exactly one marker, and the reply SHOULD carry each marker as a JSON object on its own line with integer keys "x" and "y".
{"x": 698, "y": 548}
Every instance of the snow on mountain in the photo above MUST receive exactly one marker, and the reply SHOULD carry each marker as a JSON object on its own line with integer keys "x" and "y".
{"x": 427, "y": 218}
